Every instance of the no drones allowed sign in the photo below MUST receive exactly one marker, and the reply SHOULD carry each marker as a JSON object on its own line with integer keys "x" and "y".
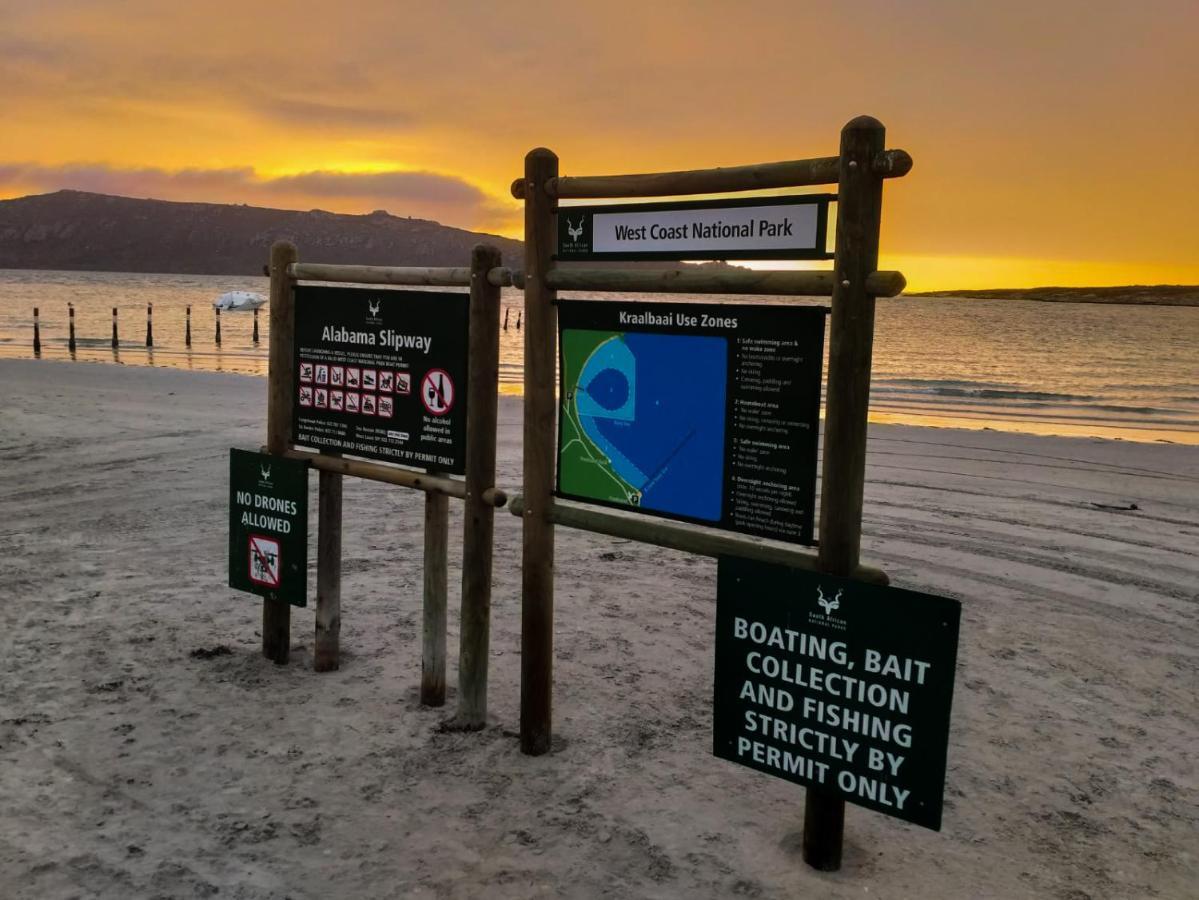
{"x": 268, "y": 526}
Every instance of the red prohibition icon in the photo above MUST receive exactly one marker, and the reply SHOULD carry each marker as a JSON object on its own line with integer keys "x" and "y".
{"x": 437, "y": 392}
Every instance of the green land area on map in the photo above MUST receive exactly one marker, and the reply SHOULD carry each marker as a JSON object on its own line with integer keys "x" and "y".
{"x": 583, "y": 469}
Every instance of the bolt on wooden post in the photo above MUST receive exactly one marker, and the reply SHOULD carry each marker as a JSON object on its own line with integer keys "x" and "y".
{"x": 537, "y": 558}
{"x": 851, "y": 338}
{"x": 276, "y": 614}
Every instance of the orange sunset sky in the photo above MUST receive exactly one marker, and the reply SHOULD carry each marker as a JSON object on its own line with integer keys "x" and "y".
{"x": 1055, "y": 141}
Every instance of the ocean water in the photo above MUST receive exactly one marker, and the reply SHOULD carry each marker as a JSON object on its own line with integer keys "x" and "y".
{"x": 1130, "y": 372}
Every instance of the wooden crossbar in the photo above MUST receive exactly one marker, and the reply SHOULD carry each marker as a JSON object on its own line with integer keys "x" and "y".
{"x": 684, "y": 536}
{"x": 792, "y": 173}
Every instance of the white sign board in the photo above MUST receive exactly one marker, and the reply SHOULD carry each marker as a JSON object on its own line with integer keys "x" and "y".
{"x": 767, "y": 228}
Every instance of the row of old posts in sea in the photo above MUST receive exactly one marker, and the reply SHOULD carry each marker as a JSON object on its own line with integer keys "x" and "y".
{"x": 187, "y": 334}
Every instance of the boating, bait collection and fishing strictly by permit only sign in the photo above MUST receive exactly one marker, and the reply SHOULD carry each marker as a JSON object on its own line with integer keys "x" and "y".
{"x": 836, "y": 684}
{"x": 382, "y": 374}
{"x": 268, "y": 526}
{"x": 794, "y": 227}
{"x": 705, "y": 413}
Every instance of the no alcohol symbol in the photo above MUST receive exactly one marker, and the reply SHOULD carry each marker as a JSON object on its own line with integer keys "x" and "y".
{"x": 437, "y": 392}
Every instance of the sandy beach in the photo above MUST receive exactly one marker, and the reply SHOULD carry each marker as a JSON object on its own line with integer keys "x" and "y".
{"x": 136, "y": 763}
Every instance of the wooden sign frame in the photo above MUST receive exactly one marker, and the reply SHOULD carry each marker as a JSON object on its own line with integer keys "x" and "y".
{"x": 485, "y": 276}
{"x": 858, "y": 170}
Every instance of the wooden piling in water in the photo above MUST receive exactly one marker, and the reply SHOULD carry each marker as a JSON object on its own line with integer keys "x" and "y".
{"x": 482, "y": 407}
{"x": 149, "y": 324}
{"x": 115, "y": 340}
{"x": 218, "y": 326}
{"x": 851, "y": 338}
{"x": 71, "y": 326}
{"x": 276, "y": 614}
{"x": 436, "y": 578}
{"x": 187, "y": 334}
{"x": 37, "y": 334}
{"x": 255, "y": 338}
{"x": 537, "y": 559}
{"x": 327, "y": 649}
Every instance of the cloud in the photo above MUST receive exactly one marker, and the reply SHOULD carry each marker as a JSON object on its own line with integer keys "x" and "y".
{"x": 446, "y": 198}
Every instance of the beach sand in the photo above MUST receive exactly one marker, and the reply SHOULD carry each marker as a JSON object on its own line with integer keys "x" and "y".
{"x": 130, "y": 768}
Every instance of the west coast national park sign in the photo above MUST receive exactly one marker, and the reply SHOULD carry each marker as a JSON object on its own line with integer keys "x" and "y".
{"x": 836, "y": 684}
{"x": 794, "y": 227}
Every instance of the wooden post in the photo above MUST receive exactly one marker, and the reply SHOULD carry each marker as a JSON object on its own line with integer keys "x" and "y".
{"x": 327, "y": 653}
{"x": 255, "y": 338}
{"x": 71, "y": 327}
{"x": 482, "y": 406}
{"x": 537, "y": 560}
{"x": 37, "y": 334}
{"x": 437, "y": 539}
{"x": 115, "y": 342}
{"x": 851, "y": 337}
{"x": 149, "y": 324}
{"x": 276, "y": 614}
{"x": 218, "y": 326}
{"x": 187, "y": 334}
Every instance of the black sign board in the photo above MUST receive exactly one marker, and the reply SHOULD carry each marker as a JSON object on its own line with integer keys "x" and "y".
{"x": 382, "y": 374}
{"x": 836, "y": 684}
{"x": 268, "y": 526}
{"x": 706, "y": 413}
{"x": 794, "y": 227}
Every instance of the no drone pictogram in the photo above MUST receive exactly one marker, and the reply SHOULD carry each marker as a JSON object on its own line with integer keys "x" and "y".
{"x": 437, "y": 392}
{"x": 265, "y": 561}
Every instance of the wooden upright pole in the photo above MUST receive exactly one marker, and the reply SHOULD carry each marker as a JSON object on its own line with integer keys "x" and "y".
{"x": 436, "y": 583}
{"x": 276, "y": 614}
{"x": 851, "y": 338}
{"x": 537, "y": 561}
{"x": 482, "y": 405}
{"x": 37, "y": 333}
{"x": 327, "y": 650}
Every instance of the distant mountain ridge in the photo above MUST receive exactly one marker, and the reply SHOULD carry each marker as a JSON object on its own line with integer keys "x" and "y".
{"x": 77, "y": 230}
{"x": 1129, "y": 295}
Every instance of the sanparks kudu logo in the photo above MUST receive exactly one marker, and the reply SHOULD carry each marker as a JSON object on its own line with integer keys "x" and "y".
{"x": 265, "y": 480}
{"x": 828, "y": 607}
{"x": 575, "y": 235}
{"x": 372, "y": 312}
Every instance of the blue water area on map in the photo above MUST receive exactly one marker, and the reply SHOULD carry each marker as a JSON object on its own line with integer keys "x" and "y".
{"x": 655, "y": 406}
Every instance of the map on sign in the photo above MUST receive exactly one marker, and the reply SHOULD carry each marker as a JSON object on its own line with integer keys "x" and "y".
{"x": 642, "y": 420}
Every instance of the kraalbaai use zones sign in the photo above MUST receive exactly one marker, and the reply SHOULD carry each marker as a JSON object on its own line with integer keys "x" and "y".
{"x": 836, "y": 684}
{"x": 706, "y": 413}
{"x": 382, "y": 374}
{"x": 268, "y": 526}
{"x": 793, "y": 227}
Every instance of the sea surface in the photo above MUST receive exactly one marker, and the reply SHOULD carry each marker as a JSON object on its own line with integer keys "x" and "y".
{"x": 1129, "y": 372}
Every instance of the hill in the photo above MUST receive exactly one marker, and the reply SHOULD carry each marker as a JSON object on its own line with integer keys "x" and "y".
{"x": 76, "y": 230}
{"x": 1130, "y": 295}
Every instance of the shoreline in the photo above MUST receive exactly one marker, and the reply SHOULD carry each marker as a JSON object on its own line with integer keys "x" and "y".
{"x": 149, "y": 749}
{"x": 252, "y": 363}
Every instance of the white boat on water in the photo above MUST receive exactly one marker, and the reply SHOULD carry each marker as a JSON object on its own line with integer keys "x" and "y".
{"x": 238, "y": 300}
